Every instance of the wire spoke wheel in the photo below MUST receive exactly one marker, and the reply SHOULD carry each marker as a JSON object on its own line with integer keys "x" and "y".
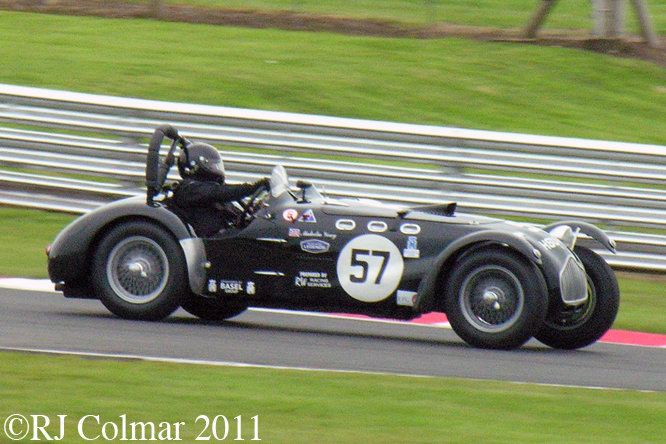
{"x": 495, "y": 298}
{"x": 491, "y": 298}
{"x": 138, "y": 270}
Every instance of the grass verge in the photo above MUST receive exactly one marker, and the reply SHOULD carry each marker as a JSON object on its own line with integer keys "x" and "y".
{"x": 445, "y": 82}
{"x": 323, "y": 407}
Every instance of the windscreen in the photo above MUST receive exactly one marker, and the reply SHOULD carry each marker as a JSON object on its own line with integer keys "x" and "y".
{"x": 279, "y": 181}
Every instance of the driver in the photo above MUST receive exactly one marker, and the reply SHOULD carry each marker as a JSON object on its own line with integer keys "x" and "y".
{"x": 203, "y": 199}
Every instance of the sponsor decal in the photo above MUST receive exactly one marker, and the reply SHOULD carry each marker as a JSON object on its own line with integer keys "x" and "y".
{"x": 294, "y": 232}
{"x": 550, "y": 242}
{"x": 212, "y": 286}
{"x": 312, "y": 279}
{"x": 250, "y": 288}
{"x": 315, "y": 246}
{"x": 308, "y": 216}
{"x": 310, "y": 233}
{"x": 370, "y": 268}
{"x": 406, "y": 298}
{"x": 290, "y": 215}
{"x": 412, "y": 251}
{"x": 345, "y": 224}
{"x": 231, "y": 287}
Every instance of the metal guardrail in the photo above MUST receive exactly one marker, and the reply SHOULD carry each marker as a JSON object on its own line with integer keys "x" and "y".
{"x": 102, "y": 139}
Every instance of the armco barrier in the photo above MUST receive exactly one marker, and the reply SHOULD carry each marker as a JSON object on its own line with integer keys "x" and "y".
{"x": 73, "y": 152}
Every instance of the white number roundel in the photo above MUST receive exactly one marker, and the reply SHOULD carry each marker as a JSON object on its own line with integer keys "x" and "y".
{"x": 370, "y": 268}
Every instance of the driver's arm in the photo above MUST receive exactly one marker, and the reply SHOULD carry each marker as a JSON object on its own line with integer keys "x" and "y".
{"x": 217, "y": 192}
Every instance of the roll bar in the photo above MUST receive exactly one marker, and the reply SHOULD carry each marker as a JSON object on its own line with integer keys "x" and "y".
{"x": 156, "y": 168}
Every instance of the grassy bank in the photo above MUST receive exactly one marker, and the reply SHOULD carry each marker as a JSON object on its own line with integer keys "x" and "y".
{"x": 494, "y": 86}
{"x": 571, "y": 15}
{"x": 305, "y": 407}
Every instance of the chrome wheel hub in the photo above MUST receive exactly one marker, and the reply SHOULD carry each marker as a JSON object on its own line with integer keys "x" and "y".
{"x": 491, "y": 297}
{"x": 137, "y": 268}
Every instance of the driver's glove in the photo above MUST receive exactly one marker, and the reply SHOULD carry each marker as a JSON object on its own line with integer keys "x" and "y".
{"x": 265, "y": 183}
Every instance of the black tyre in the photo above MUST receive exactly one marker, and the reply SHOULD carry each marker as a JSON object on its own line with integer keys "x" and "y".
{"x": 212, "y": 309}
{"x": 576, "y": 327}
{"x": 139, "y": 272}
{"x": 496, "y": 299}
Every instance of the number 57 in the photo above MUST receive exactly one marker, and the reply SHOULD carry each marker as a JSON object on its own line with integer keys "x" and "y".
{"x": 375, "y": 267}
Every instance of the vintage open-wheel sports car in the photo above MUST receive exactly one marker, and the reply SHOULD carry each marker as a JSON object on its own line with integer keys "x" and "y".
{"x": 500, "y": 283}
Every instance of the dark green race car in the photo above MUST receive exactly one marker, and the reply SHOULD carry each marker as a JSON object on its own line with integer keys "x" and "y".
{"x": 500, "y": 283}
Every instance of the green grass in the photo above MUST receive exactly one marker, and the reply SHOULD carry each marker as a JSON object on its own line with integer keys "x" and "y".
{"x": 567, "y": 14}
{"x": 322, "y": 407}
{"x": 24, "y": 235}
{"x": 494, "y": 86}
{"x": 643, "y": 303}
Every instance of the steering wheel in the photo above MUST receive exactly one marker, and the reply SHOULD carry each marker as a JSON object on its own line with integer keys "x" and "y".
{"x": 251, "y": 206}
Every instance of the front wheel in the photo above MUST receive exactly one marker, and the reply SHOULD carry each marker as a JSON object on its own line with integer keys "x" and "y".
{"x": 495, "y": 299}
{"x": 139, "y": 271}
{"x": 569, "y": 328}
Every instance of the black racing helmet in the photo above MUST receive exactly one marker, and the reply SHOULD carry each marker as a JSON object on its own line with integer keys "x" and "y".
{"x": 201, "y": 161}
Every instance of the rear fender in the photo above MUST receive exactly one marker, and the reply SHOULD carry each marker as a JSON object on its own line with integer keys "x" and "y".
{"x": 195, "y": 256}
{"x": 69, "y": 257}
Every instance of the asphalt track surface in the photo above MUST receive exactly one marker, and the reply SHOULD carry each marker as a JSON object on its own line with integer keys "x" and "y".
{"x": 38, "y": 320}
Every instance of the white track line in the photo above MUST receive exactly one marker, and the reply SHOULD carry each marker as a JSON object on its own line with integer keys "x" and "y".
{"x": 28, "y": 284}
{"x": 276, "y": 367}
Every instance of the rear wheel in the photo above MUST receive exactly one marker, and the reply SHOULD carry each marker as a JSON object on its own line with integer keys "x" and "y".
{"x": 496, "y": 299}
{"x": 139, "y": 271}
{"x": 212, "y": 309}
{"x": 576, "y": 327}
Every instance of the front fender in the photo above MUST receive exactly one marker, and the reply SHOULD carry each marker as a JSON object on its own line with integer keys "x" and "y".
{"x": 68, "y": 258}
{"x": 425, "y": 299}
{"x": 588, "y": 229}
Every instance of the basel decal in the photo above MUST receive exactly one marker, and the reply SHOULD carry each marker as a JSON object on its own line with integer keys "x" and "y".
{"x": 370, "y": 268}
